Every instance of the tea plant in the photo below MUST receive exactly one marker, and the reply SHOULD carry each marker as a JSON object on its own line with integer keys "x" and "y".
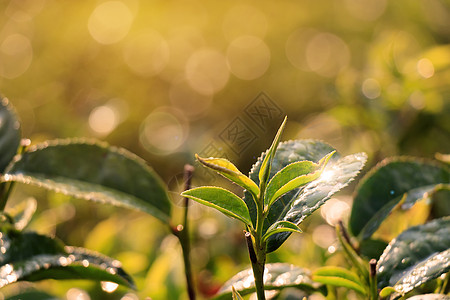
{"x": 84, "y": 169}
{"x": 287, "y": 184}
{"x": 398, "y": 192}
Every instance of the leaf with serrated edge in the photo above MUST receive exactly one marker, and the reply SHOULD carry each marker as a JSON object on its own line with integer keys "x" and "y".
{"x": 294, "y": 176}
{"x": 277, "y": 276}
{"x": 228, "y": 170}
{"x": 298, "y": 204}
{"x": 222, "y": 200}
{"x": 30, "y": 256}
{"x": 266, "y": 165}
{"x": 429, "y": 297}
{"x": 9, "y": 133}
{"x": 95, "y": 171}
{"x": 338, "y": 276}
{"x": 419, "y": 254}
{"x": 282, "y": 226}
{"x": 387, "y": 183}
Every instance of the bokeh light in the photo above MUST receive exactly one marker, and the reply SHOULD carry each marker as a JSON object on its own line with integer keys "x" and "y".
{"x": 321, "y": 52}
{"x": 163, "y": 131}
{"x": 16, "y": 54}
{"x": 366, "y": 10}
{"x": 244, "y": 19}
{"x": 104, "y": 119}
{"x": 371, "y": 88}
{"x": 110, "y": 22}
{"x": 248, "y": 57}
{"x": 425, "y": 68}
{"x": 185, "y": 98}
{"x": 147, "y": 54}
{"x": 207, "y": 71}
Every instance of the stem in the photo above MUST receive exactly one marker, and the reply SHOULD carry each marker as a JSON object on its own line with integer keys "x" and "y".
{"x": 373, "y": 279}
{"x": 258, "y": 247}
{"x": 182, "y": 233}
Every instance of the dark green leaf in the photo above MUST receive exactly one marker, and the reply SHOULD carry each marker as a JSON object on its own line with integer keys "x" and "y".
{"x": 93, "y": 171}
{"x": 372, "y": 248}
{"x": 429, "y": 297}
{"x": 228, "y": 170}
{"x": 386, "y": 184}
{"x": 31, "y": 257}
{"x": 278, "y": 276}
{"x": 9, "y": 133}
{"x": 338, "y": 276}
{"x": 32, "y": 294}
{"x": 298, "y": 204}
{"x": 222, "y": 200}
{"x": 417, "y": 255}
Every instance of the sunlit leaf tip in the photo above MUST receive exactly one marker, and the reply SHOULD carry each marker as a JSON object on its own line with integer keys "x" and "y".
{"x": 227, "y": 169}
{"x": 267, "y": 162}
{"x": 293, "y": 176}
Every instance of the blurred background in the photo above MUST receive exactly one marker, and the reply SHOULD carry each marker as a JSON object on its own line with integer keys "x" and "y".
{"x": 167, "y": 79}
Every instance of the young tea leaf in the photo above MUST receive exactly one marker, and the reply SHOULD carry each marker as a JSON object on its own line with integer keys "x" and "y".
{"x": 421, "y": 253}
{"x": 222, "y": 200}
{"x": 337, "y": 276}
{"x": 266, "y": 164}
{"x": 94, "y": 171}
{"x": 9, "y": 133}
{"x": 228, "y": 170}
{"x": 278, "y": 276}
{"x": 294, "y": 176}
{"x": 386, "y": 184}
{"x": 299, "y": 203}
{"x": 281, "y": 226}
{"x": 30, "y": 256}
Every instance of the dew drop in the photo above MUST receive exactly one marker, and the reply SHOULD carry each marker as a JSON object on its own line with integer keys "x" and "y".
{"x": 392, "y": 192}
{"x": 108, "y": 286}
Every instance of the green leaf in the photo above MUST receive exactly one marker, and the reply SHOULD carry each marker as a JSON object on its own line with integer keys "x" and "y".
{"x": 372, "y": 248}
{"x": 277, "y": 276}
{"x": 386, "y": 184}
{"x": 222, "y": 200}
{"x": 299, "y": 203}
{"x": 281, "y": 226}
{"x": 266, "y": 164}
{"x": 9, "y": 133}
{"x": 30, "y": 256}
{"x": 385, "y": 292}
{"x": 31, "y": 294}
{"x": 419, "y": 254}
{"x": 228, "y": 170}
{"x": 294, "y": 176}
{"x": 338, "y": 276}
{"x": 94, "y": 171}
{"x": 429, "y": 297}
